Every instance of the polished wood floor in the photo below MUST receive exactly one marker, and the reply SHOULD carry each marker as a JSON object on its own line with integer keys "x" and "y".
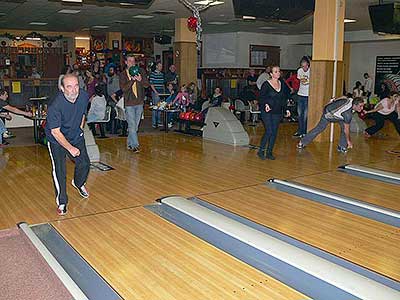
{"x": 108, "y": 227}
{"x": 144, "y": 257}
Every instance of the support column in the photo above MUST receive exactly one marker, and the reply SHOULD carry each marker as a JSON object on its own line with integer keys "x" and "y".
{"x": 113, "y": 36}
{"x": 185, "y": 52}
{"x": 328, "y": 37}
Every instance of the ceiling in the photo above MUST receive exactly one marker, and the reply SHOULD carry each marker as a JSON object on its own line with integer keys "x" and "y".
{"x": 17, "y": 14}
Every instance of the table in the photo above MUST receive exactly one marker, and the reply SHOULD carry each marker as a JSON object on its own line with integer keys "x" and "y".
{"x": 164, "y": 113}
{"x": 37, "y": 122}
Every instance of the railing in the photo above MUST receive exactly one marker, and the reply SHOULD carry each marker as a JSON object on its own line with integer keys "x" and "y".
{"x": 20, "y": 90}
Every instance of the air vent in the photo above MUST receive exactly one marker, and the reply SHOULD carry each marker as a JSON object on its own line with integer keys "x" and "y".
{"x": 163, "y": 12}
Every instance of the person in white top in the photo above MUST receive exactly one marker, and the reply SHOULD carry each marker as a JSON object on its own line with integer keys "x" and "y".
{"x": 303, "y": 74}
{"x": 387, "y": 109}
{"x": 357, "y": 90}
{"x": 264, "y": 76}
{"x": 98, "y": 105}
{"x": 367, "y": 86}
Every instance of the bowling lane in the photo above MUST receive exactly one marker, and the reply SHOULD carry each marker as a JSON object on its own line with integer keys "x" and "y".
{"x": 364, "y": 189}
{"x": 365, "y": 242}
{"x": 145, "y": 257}
{"x": 391, "y": 165}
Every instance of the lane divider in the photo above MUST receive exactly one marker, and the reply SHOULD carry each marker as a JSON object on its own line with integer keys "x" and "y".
{"x": 372, "y": 173}
{"x": 346, "y": 280}
{"x": 352, "y": 205}
{"x": 71, "y": 286}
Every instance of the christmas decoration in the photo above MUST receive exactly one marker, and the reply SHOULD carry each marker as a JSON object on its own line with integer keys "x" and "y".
{"x": 32, "y": 35}
{"x": 194, "y": 22}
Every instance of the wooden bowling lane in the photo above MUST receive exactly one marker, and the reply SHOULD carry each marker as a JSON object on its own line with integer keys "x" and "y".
{"x": 365, "y": 242}
{"x": 391, "y": 165}
{"x": 145, "y": 257}
{"x": 364, "y": 189}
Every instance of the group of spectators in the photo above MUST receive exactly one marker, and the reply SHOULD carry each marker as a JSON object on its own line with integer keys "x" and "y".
{"x": 388, "y": 107}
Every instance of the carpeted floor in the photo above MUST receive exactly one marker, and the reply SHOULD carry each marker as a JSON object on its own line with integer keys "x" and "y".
{"x": 24, "y": 274}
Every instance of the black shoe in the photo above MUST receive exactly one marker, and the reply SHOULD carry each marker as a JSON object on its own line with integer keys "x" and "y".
{"x": 297, "y": 134}
{"x": 270, "y": 156}
{"x": 135, "y": 150}
{"x": 82, "y": 190}
{"x": 300, "y": 145}
{"x": 62, "y": 210}
{"x": 342, "y": 149}
{"x": 261, "y": 155}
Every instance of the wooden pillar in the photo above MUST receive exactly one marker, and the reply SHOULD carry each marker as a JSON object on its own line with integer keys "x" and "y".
{"x": 185, "y": 52}
{"x": 346, "y": 68}
{"x": 326, "y": 22}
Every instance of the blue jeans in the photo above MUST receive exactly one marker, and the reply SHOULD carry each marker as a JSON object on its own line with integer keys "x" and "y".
{"x": 302, "y": 109}
{"x": 2, "y": 130}
{"x": 133, "y": 117}
{"x": 156, "y": 114}
{"x": 323, "y": 123}
{"x": 271, "y": 124}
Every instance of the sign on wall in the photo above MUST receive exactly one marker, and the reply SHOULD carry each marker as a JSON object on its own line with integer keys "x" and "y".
{"x": 387, "y": 72}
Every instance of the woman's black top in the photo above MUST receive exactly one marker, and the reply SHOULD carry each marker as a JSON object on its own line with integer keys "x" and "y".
{"x": 277, "y": 101}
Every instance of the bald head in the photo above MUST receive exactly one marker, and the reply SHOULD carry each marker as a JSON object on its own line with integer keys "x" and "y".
{"x": 70, "y": 87}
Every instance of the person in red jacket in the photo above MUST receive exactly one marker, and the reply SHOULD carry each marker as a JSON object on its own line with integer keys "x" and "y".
{"x": 293, "y": 83}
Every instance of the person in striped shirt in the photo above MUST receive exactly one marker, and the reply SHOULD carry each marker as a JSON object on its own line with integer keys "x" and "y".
{"x": 157, "y": 84}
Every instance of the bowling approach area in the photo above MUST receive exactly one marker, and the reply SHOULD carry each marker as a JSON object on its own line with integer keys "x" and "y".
{"x": 189, "y": 218}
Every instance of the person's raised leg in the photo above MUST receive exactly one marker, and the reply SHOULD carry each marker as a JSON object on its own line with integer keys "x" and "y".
{"x": 379, "y": 123}
{"x": 394, "y": 118}
{"x": 310, "y": 136}
{"x": 82, "y": 168}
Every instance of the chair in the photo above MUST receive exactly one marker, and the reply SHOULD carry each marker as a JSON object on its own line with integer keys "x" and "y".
{"x": 254, "y": 115}
{"x": 205, "y": 105}
{"x": 107, "y": 117}
{"x": 241, "y": 109}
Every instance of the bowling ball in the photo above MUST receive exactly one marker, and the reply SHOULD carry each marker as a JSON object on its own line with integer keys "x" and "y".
{"x": 182, "y": 116}
{"x": 134, "y": 70}
{"x": 187, "y": 115}
{"x": 192, "y": 116}
{"x": 199, "y": 117}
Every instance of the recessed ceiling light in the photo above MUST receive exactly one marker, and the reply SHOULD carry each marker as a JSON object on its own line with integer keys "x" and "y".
{"x": 248, "y": 18}
{"x": 349, "y": 20}
{"x": 85, "y": 29}
{"x": 217, "y": 23}
{"x": 73, "y": 1}
{"x": 122, "y": 22}
{"x": 33, "y": 38}
{"x": 143, "y": 17}
{"x": 202, "y": 2}
{"x": 216, "y": 3}
{"x": 163, "y": 12}
{"x": 82, "y": 38}
{"x": 69, "y": 11}
{"x": 38, "y": 23}
{"x": 284, "y": 20}
{"x": 100, "y": 26}
{"x": 126, "y": 4}
{"x": 266, "y": 27}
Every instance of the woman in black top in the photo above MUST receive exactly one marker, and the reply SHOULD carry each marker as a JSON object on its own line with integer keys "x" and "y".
{"x": 273, "y": 100}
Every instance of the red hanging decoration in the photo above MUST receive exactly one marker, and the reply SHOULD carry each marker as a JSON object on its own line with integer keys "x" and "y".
{"x": 192, "y": 23}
